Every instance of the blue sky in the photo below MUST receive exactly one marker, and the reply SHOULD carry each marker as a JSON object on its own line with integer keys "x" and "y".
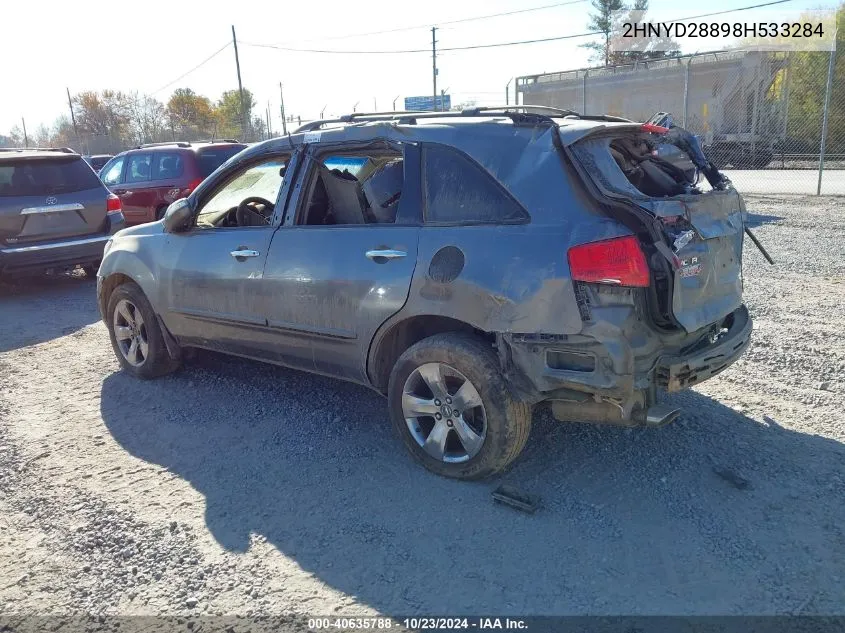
{"x": 88, "y": 45}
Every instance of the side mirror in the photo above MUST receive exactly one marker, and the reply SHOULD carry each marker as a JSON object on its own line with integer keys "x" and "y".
{"x": 177, "y": 216}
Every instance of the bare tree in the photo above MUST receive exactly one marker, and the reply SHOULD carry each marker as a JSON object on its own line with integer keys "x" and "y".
{"x": 149, "y": 120}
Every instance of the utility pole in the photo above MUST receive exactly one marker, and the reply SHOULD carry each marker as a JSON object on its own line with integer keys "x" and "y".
{"x": 507, "y": 90}
{"x": 375, "y": 106}
{"x": 269, "y": 129}
{"x": 240, "y": 85}
{"x": 284, "y": 123}
{"x": 323, "y": 110}
{"x": 394, "y": 102}
{"x": 355, "y": 107}
{"x": 25, "y": 137}
{"x": 434, "y": 67}
{"x": 73, "y": 119}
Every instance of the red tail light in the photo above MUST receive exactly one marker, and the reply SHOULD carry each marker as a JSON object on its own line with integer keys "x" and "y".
{"x": 619, "y": 261}
{"x": 654, "y": 129}
{"x": 113, "y": 205}
{"x": 192, "y": 185}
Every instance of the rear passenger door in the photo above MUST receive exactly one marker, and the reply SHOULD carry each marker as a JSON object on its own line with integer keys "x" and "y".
{"x": 135, "y": 190}
{"x": 335, "y": 272}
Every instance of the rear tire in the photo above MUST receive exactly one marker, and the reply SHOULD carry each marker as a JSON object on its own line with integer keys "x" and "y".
{"x": 498, "y": 422}
{"x": 135, "y": 334}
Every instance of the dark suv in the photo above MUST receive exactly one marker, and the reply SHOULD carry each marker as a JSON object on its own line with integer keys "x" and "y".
{"x": 467, "y": 265}
{"x": 150, "y": 177}
{"x": 97, "y": 161}
{"x": 54, "y": 211}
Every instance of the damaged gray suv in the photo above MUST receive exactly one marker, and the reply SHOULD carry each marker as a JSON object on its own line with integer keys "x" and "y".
{"x": 466, "y": 265}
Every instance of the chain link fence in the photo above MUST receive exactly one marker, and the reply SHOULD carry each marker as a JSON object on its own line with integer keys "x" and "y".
{"x": 773, "y": 121}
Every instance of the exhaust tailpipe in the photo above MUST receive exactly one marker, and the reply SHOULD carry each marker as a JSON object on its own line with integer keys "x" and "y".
{"x": 659, "y": 415}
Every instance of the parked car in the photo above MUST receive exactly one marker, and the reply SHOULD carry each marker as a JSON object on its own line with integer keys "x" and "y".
{"x": 150, "y": 177}
{"x": 468, "y": 266}
{"x": 97, "y": 161}
{"x": 54, "y": 212}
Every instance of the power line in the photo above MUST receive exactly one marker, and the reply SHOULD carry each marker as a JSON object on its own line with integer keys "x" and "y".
{"x": 439, "y": 24}
{"x": 707, "y": 15}
{"x": 202, "y": 63}
{"x": 496, "y": 45}
{"x": 420, "y": 50}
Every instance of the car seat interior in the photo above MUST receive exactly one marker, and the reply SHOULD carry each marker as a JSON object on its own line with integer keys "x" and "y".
{"x": 369, "y": 196}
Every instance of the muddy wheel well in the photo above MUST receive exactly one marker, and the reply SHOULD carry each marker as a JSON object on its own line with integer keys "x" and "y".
{"x": 109, "y": 284}
{"x": 402, "y": 335}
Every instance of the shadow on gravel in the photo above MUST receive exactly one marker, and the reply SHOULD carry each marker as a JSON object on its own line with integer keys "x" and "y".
{"x": 759, "y": 219}
{"x": 718, "y": 513}
{"x": 38, "y": 309}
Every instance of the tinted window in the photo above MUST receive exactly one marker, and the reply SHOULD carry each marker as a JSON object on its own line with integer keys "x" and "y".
{"x": 459, "y": 190}
{"x": 211, "y": 158}
{"x": 168, "y": 165}
{"x": 111, "y": 172}
{"x": 138, "y": 168}
{"x": 43, "y": 177}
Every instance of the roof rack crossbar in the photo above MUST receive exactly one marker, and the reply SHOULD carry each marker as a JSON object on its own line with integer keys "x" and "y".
{"x": 176, "y": 143}
{"x": 217, "y": 140}
{"x": 311, "y": 126}
{"x": 409, "y": 116}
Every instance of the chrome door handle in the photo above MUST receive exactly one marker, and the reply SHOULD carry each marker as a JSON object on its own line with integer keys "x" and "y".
{"x": 244, "y": 253}
{"x": 385, "y": 254}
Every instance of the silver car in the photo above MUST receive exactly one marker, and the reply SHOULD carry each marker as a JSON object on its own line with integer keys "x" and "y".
{"x": 466, "y": 265}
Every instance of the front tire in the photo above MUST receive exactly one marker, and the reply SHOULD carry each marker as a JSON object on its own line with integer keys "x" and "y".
{"x": 453, "y": 408}
{"x": 135, "y": 334}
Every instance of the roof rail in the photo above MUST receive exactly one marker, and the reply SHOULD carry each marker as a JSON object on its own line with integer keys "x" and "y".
{"x": 64, "y": 150}
{"x": 410, "y": 116}
{"x": 356, "y": 116}
{"x": 176, "y": 143}
{"x": 219, "y": 140}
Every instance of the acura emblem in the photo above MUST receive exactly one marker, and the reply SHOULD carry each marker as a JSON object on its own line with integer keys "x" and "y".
{"x": 52, "y": 200}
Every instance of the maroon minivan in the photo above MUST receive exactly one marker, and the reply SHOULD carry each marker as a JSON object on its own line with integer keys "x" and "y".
{"x": 148, "y": 178}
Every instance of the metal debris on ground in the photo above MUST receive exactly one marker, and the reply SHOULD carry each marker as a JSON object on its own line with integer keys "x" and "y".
{"x": 515, "y": 498}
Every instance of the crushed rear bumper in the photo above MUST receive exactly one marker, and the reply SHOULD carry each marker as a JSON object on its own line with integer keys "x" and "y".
{"x": 612, "y": 382}
{"x": 679, "y": 372}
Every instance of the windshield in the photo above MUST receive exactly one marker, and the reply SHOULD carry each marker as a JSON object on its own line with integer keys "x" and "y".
{"x": 35, "y": 177}
{"x": 212, "y": 157}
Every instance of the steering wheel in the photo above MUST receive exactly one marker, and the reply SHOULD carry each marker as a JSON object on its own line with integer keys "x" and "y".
{"x": 246, "y": 215}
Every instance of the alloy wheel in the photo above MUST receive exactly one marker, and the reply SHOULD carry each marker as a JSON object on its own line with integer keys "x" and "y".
{"x": 130, "y": 332}
{"x": 444, "y": 413}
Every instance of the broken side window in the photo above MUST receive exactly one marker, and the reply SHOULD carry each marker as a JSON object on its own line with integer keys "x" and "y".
{"x": 354, "y": 188}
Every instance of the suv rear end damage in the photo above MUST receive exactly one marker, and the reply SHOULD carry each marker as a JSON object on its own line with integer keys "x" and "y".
{"x": 660, "y": 309}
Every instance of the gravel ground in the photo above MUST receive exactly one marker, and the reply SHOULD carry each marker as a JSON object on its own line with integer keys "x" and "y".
{"x": 238, "y": 488}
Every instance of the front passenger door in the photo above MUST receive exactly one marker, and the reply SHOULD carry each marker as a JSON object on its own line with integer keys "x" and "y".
{"x": 214, "y": 272}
